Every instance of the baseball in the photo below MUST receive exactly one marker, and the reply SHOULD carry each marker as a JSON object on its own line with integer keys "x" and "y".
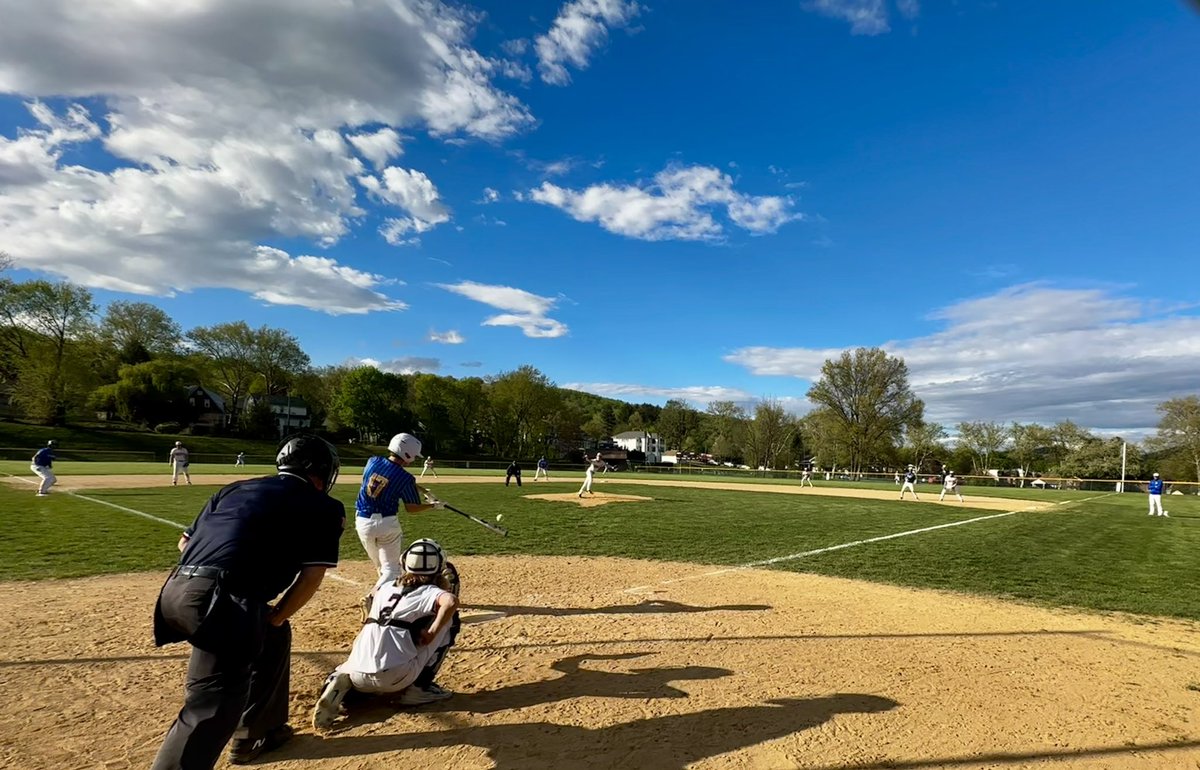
{"x": 499, "y": 516}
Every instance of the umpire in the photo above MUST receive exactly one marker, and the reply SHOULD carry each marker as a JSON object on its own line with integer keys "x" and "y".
{"x": 253, "y": 540}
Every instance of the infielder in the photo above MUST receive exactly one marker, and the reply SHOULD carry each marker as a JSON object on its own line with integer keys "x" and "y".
{"x": 428, "y": 468}
{"x": 1155, "y": 488}
{"x": 179, "y": 464}
{"x": 543, "y": 469}
{"x": 910, "y": 482}
{"x": 240, "y": 462}
{"x": 593, "y": 466}
{"x": 386, "y": 484}
{"x": 949, "y": 484}
{"x": 42, "y": 464}
{"x": 409, "y": 629}
{"x": 806, "y": 474}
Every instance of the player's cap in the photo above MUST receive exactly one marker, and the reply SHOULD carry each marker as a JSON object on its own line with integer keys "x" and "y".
{"x": 307, "y": 455}
{"x": 178, "y": 443}
{"x": 405, "y": 446}
{"x": 1155, "y": 475}
{"x": 424, "y": 557}
{"x": 51, "y": 442}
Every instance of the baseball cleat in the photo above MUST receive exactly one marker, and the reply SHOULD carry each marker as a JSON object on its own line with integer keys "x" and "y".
{"x": 419, "y": 696}
{"x": 330, "y": 702}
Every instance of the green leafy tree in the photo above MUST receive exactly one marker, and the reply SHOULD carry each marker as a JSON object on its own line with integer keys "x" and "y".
{"x": 372, "y": 403}
{"x": 277, "y": 358}
{"x": 231, "y": 349}
{"x": 1029, "y": 443}
{"x": 769, "y": 436}
{"x": 1179, "y": 429}
{"x": 1096, "y": 458}
{"x": 866, "y": 402}
{"x": 466, "y": 405}
{"x": 149, "y": 393}
{"x": 520, "y": 410}
{"x": 983, "y": 440}
{"x": 730, "y": 425}
{"x": 922, "y": 440}
{"x": 676, "y": 423}
{"x": 138, "y": 331}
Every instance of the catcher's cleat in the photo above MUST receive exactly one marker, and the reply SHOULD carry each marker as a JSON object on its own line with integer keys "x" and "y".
{"x": 450, "y": 573}
{"x": 330, "y": 702}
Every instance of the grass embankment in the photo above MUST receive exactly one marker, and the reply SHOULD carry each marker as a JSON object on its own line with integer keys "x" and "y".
{"x": 1103, "y": 554}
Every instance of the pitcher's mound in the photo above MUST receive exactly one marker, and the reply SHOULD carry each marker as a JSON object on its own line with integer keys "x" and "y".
{"x": 591, "y": 501}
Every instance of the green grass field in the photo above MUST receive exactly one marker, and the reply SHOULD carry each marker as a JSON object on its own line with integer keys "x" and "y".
{"x": 1098, "y": 553}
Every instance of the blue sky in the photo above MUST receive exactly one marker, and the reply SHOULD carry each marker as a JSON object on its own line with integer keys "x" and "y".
{"x": 644, "y": 200}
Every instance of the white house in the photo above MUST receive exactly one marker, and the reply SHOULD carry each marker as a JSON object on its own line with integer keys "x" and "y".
{"x": 641, "y": 441}
{"x": 291, "y": 413}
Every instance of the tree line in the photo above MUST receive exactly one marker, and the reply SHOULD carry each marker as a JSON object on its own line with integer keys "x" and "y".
{"x": 60, "y": 357}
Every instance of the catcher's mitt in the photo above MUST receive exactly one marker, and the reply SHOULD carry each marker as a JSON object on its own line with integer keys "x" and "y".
{"x": 450, "y": 574}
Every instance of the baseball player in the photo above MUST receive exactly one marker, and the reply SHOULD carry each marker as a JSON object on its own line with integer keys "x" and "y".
{"x": 806, "y": 474}
{"x": 386, "y": 485}
{"x": 910, "y": 482}
{"x": 240, "y": 462}
{"x": 1155, "y": 488}
{"x": 254, "y": 540}
{"x": 409, "y": 629}
{"x": 42, "y": 464}
{"x": 428, "y": 468}
{"x": 178, "y": 458}
{"x": 543, "y": 469}
{"x": 513, "y": 471}
{"x": 593, "y": 466}
{"x": 949, "y": 484}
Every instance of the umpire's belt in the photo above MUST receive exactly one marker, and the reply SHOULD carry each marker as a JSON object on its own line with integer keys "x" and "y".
{"x": 200, "y": 572}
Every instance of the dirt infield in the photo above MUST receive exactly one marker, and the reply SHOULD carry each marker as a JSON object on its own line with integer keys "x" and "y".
{"x": 136, "y": 481}
{"x": 754, "y": 670}
{"x": 591, "y": 501}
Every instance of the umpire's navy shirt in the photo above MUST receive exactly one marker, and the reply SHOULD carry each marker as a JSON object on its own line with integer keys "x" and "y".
{"x": 263, "y": 531}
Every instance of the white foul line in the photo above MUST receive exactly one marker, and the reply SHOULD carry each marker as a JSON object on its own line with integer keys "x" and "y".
{"x": 827, "y": 549}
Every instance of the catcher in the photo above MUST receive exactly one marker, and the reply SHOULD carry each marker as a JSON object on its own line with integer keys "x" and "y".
{"x": 411, "y": 625}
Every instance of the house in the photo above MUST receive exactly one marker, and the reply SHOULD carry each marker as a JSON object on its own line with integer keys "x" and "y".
{"x": 291, "y": 413}
{"x": 207, "y": 408}
{"x": 641, "y": 441}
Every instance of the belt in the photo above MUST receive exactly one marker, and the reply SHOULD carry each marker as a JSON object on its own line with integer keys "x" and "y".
{"x": 200, "y": 572}
{"x": 366, "y": 515}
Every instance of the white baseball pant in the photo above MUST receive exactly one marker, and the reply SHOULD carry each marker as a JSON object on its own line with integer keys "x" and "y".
{"x": 383, "y": 539}
{"x": 46, "y": 475}
{"x": 1156, "y": 503}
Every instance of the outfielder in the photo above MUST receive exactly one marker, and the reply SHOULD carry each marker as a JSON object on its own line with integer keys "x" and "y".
{"x": 543, "y": 469}
{"x": 179, "y": 464}
{"x": 949, "y": 484}
{"x": 42, "y": 465}
{"x": 410, "y": 627}
{"x": 386, "y": 484}
{"x": 1155, "y": 488}
{"x": 910, "y": 481}
{"x": 428, "y": 468}
{"x": 593, "y": 466}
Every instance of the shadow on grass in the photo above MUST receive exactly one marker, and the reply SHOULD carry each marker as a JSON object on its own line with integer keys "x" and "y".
{"x": 648, "y": 606}
{"x": 664, "y": 743}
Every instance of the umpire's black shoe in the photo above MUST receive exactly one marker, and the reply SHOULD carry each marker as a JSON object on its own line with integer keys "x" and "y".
{"x": 246, "y": 750}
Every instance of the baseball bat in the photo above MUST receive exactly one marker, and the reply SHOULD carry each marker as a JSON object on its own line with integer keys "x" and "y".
{"x": 501, "y": 531}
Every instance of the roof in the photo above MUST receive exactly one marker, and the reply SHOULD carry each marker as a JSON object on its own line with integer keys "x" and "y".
{"x": 218, "y": 402}
{"x": 633, "y": 434}
{"x": 293, "y": 401}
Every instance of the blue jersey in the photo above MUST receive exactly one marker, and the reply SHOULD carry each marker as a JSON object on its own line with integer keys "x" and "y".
{"x": 1156, "y": 486}
{"x": 543, "y": 464}
{"x": 385, "y": 486}
{"x": 44, "y": 458}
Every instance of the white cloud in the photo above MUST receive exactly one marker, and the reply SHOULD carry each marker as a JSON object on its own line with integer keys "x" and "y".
{"x": 447, "y": 338}
{"x": 677, "y": 204}
{"x": 579, "y": 29}
{"x": 378, "y": 147}
{"x": 866, "y": 17}
{"x": 909, "y": 9}
{"x": 526, "y": 311}
{"x": 1033, "y": 353}
{"x": 405, "y": 365}
{"x": 411, "y": 191}
{"x": 695, "y": 394}
{"x": 490, "y": 195}
{"x": 233, "y": 124}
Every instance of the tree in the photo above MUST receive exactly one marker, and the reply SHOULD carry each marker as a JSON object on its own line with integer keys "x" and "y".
{"x": 866, "y": 399}
{"x": 1028, "y": 442}
{"x": 150, "y": 393}
{"x": 232, "y": 349}
{"x": 133, "y": 328}
{"x": 730, "y": 423}
{"x": 371, "y": 402}
{"x": 520, "y": 410}
{"x": 1098, "y": 458}
{"x": 922, "y": 439}
{"x": 675, "y": 422}
{"x": 982, "y": 440}
{"x": 769, "y": 436}
{"x": 278, "y": 359}
{"x": 1179, "y": 428}
{"x": 466, "y": 402}
{"x": 50, "y": 323}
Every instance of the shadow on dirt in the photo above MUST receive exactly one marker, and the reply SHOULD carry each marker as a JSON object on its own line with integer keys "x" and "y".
{"x": 644, "y": 607}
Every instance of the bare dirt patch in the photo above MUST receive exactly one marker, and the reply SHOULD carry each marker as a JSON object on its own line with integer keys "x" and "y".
{"x": 591, "y": 501}
{"x": 759, "y": 669}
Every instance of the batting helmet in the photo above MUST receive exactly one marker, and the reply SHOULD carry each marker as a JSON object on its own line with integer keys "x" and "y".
{"x": 424, "y": 557}
{"x": 51, "y": 442}
{"x": 405, "y": 446}
{"x": 307, "y": 455}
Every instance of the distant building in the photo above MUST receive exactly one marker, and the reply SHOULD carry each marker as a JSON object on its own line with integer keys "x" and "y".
{"x": 207, "y": 408}
{"x": 291, "y": 413}
{"x": 670, "y": 456}
{"x": 641, "y": 441}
